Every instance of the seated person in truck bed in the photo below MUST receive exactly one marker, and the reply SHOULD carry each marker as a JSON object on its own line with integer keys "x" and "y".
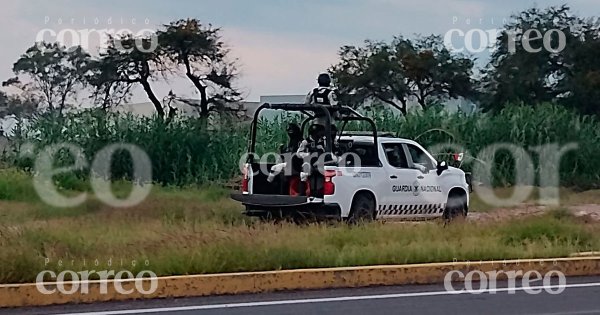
{"x": 303, "y": 161}
{"x": 295, "y": 138}
{"x": 288, "y": 153}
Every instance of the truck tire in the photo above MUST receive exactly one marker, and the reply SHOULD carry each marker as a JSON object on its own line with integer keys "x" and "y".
{"x": 455, "y": 207}
{"x": 362, "y": 210}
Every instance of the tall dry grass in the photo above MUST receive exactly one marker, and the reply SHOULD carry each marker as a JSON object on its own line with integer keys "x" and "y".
{"x": 199, "y": 230}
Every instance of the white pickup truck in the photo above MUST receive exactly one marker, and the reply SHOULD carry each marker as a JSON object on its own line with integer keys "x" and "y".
{"x": 396, "y": 178}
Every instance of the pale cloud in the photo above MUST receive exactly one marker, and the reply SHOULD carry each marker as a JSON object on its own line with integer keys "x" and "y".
{"x": 269, "y": 64}
{"x": 468, "y": 7}
{"x": 15, "y": 31}
{"x": 273, "y": 64}
{"x": 281, "y": 45}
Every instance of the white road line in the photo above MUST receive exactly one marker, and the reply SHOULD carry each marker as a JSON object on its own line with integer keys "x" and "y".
{"x": 574, "y": 313}
{"x": 323, "y": 300}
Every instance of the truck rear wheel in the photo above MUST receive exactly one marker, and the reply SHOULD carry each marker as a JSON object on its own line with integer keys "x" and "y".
{"x": 362, "y": 210}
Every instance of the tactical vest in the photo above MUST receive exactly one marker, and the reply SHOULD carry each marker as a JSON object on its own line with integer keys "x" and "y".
{"x": 321, "y": 95}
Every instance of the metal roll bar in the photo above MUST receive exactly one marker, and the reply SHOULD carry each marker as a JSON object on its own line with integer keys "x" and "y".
{"x": 294, "y": 107}
{"x": 305, "y": 109}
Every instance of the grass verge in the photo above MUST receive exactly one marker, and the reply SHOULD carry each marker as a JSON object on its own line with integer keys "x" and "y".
{"x": 199, "y": 230}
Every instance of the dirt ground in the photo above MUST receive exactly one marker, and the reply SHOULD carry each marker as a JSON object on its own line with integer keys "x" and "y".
{"x": 584, "y": 205}
{"x": 587, "y": 212}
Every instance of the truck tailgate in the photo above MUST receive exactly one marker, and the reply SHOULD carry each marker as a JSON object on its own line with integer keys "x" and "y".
{"x": 270, "y": 200}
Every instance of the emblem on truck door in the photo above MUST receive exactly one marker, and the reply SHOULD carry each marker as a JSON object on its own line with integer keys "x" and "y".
{"x": 416, "y": 190}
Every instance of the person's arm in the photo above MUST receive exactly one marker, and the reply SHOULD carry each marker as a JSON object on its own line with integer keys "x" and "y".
{"x": 302, "y": 149}
{"x": 309, "y": 98}
{"x": 333, "y": 98}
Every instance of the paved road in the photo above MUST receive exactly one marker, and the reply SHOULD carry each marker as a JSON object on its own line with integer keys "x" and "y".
{"x": 582, "y": 296}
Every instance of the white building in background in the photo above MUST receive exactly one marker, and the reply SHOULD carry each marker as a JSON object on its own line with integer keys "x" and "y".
{"x": 243, "y": 109}
{"x": 279, "y": 99}
{"x": 138, "y": 109}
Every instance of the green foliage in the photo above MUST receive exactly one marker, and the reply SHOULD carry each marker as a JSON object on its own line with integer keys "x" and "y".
{"x": 570, "y": 76}
{"x": 582, "y": 85}
{"x": 423, "y": 69}
{"x": 128, "y": 60}
{"x": 199, "y": 50}
{"x": 549, "y": 229}
{"x": 521, "y": 125}
{"x": 54, "y": 71}
{"x": 184, "y": 46}
{"x": 22, "y": 106}
{"x": 15, "y": 185}
{"x": 184, "y": 152}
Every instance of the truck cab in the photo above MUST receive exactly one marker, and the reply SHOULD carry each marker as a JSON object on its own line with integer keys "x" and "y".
{"x": 406, "y": 182}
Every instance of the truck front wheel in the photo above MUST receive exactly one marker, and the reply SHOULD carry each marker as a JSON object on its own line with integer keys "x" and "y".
{"x": 456, "y": 207}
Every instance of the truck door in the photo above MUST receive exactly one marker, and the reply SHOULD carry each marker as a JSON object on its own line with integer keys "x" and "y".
{"x": 403, "y": 186}
{"x": 431, "y": 197}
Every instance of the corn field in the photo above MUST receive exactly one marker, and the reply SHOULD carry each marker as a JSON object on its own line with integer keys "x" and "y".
{"x": 187, "y": 152}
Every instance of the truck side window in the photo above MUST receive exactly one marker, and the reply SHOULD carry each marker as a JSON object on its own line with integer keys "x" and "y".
{"x": 419, "y": 156}
{"x": 365, "y": 154}
{"x": 395, "y": 155}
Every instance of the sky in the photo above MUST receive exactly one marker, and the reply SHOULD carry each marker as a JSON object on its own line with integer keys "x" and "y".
{"x": 281, "y": 45}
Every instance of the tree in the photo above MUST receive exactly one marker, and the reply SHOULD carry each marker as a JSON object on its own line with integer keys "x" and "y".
{"x": 53, "y": 71}
{"x": 3, "y": 102}
{"x": 127, "y": 61}
{"x": 580, "y": 86}
{"x": 393, "y": 73}
{"x": 432, "y": 71}
{"x": 202, "y": 53}
{"x": 108, "y": 91}
{"x": 17, "y": 106}
{"x": 523, "y": 68}
{"x": 368, "y": 72}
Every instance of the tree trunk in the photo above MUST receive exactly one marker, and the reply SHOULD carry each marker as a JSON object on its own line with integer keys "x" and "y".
{"x": 422, "y": 96}
{"x": 422, "y": 103}
{"x": 105, "y": 101}
{"x": 50, "y": 98}
{"x": 204, "y": 113}
{"x": 153, "y": 98}
{"x": 61, "y": 108}
{"x": 404, "y": 110}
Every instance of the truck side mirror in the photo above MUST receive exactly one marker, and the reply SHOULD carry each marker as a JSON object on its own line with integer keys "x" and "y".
{"x": 441, "y": 167}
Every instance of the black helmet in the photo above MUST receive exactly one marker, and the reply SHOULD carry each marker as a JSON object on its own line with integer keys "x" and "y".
{"x": 316, "y": 131}
{"x": 324, "y": 79}
{"x": 293, "y": 130}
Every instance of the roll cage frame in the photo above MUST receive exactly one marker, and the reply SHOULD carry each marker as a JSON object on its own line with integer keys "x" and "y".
{"x": 347, "y": 114}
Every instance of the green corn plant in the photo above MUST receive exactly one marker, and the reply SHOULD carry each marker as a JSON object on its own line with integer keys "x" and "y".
{"x": 185, "y": 151}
